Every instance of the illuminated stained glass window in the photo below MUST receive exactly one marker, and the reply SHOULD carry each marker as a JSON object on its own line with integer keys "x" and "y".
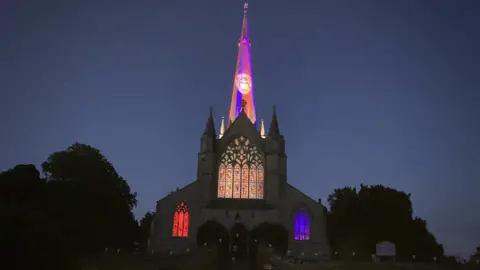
{"x": 229, "y": 182}
{"x": 260, "y": 181}
{"x": 301, "y": 225}
{"x": 236, "y": 182}
{"x": 180, "y": 221}
{"x": 252, "y": 193}
{"x": 221, "y": 181}
{"x": 241, "y": 164}
{"x": 244, "y": 191}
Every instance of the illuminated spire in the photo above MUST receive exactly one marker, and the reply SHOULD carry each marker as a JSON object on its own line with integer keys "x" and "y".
{"x": 243, "y": 81}
{"x": 262, "y": 129}
{"x": 222, "y": 128}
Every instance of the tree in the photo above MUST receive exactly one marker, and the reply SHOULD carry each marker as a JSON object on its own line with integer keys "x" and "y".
{"x": 31, "y": 239}
{"x": 476, "y": 255}
{"x": 357, "y": 220}
{"x": 91, "y": 202}
{"x": 21, "y": 185}
{"x": 144, "y": 229}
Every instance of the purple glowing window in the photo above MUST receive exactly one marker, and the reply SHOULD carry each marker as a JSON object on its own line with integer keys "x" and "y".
{"x": 302, "y": 225}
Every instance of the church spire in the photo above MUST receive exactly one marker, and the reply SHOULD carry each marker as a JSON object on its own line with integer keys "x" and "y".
{"x": 274, "y": 130}
{"x": 262, "y": 129}
{"x": 222, "y": 128}
{"x": 243, "y": 82}
{"x": 210, "y": 126}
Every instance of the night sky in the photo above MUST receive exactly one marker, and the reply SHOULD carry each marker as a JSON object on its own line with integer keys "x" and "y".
{"x": 374, "y": 92}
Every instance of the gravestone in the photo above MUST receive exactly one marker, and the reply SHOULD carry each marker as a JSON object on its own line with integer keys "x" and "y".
{"x": 385, "y": 251}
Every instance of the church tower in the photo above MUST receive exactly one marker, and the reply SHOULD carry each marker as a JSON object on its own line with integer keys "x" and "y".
{"x": 243, "y": 81}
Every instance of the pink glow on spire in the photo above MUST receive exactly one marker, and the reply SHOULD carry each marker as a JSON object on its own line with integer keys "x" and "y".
{"x": 243, "y": 80}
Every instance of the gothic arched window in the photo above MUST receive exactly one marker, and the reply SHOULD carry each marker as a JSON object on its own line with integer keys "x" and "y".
{"x": 301, "y": 225}
{"x": 180, "y": 221}
{"x": 241, "y": 172}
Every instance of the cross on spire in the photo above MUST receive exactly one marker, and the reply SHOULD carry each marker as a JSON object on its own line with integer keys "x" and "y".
{"x": 243, "y": 104}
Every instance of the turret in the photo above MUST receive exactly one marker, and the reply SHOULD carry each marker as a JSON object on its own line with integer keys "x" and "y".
{"x": 276, "y": 160}
{"x": 207, "y": 157}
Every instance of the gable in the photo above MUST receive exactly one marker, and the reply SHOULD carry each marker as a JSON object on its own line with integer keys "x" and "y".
{"x": 298, "y": 199}
{"x": 242, "y": 126}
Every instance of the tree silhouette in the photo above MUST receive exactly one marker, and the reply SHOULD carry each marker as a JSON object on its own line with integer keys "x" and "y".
{"x": 92, "y": 203}
{"x": 476, "y": 255}
{"x": 82, "y": 206}
{"x": 30, "y": 239}
{"x": 21, "y": 185}
{"x": 357, "y": 220}
{"x": 144, "y": 229}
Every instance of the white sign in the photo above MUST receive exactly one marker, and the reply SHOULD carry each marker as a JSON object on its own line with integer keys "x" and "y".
{"x": 385, "y": 249}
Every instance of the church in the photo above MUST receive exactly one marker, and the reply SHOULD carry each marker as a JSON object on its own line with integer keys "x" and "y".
{"x": 241, "y": 182}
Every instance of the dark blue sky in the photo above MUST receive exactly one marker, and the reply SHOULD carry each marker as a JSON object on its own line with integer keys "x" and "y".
{"x": 375, "y": 92}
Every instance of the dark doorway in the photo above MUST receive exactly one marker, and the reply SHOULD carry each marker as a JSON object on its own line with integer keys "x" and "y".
{"x": 214, "y": 233}
{"x": 239, "y": 241}
{"x": 271, "y": 234}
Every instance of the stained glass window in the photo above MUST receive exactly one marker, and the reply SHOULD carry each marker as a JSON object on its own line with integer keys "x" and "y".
{"x": 252, "y": 193}
{"x": 301, "y": 225}
{"x": 240, "y": 173}
{"x": 221, "y": 181}
{"x": 229, "y": 182}
{"x": 260, "y": 182}
{"x": 244, "y": 185}
{"x": 180, "y": 221}
{"x": 236, "y": 182}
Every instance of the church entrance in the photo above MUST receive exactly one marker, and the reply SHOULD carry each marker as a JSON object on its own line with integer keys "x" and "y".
{"x": 214, "y": 233}
{"x": 271, "y": 234}
{"x": 239, "y": 242}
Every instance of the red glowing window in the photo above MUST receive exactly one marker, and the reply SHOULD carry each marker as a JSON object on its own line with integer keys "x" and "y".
{"x": 180, "y": 221}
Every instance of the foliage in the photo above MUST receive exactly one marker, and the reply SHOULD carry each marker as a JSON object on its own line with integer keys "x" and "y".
{"x": 476, "y": 255}
{"x": 89, "y": 199}
{"x": 82, "y": 206}
{"x": 357, "y": 220}
{"x": 144, "y": 229}
{"x": 32, "y": 239}
{"x": 21, "y": 185}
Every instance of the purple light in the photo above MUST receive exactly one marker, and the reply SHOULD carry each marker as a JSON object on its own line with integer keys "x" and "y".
{"x": 302, "y": 225}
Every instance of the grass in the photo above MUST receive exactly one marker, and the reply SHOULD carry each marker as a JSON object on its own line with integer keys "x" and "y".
{"x": 206, "y": 258}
